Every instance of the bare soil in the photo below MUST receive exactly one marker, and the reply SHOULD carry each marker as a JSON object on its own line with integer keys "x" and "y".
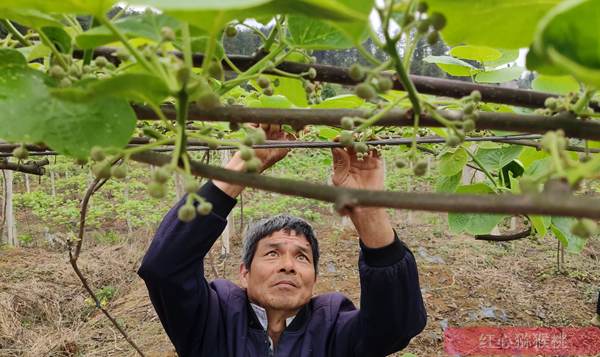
{"x": 43, "y": 308}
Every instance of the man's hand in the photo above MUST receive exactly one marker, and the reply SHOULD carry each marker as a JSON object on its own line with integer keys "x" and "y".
{"x": 267, "y": 157}
{"x": 372, "y": 224}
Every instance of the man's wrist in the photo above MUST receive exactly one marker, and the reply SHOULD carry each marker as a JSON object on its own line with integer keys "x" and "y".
{"x": 373, "y": 226}
{"x": 232, "y": 190}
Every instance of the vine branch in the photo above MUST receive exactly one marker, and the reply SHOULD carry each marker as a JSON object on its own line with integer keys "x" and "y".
{"x": 552, "y": 204}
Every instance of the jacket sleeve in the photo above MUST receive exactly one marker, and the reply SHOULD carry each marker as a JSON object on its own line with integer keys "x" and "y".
{"x": 173, "y": 270}
{"x": 391, "y": 305}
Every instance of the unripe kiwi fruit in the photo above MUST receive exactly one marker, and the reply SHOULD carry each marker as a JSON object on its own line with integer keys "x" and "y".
{"x": 186, "y": 213}
{"x": 157, "y": 190}
{"x": 347, "y": 123}
{"x": 356, "y": 72}
{"x": 263, "y": 82}
{"x": 118, "y": 172}
{"x": 364, "y": 91}
{"x": 20, "y": 152}
{"x": 97, "y": 154}
{"x": 204, "y": 208}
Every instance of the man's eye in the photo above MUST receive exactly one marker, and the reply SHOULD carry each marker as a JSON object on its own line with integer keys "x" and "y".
{"x": 272, "y": 253}
{"x": 303, "y": 257}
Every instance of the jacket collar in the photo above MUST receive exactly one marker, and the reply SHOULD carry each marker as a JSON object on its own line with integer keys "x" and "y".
{"x": 292, "y": 324}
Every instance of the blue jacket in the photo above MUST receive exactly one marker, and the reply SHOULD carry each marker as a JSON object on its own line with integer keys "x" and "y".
{"x": 216, "y": 319}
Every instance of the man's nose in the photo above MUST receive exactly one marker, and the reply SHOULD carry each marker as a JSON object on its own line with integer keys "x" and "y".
{"x": 287, "y": 263}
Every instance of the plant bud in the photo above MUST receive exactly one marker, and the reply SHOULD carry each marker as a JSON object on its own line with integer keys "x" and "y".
{"x": 347, "y": 123}
{"x": 453, "y": 140}
{"x": 364, "y": 91}
{"x": 268, "y": 91}
{"x": 101, "y": 61}
{"x": 118, "y": 172}
{"x": 97, "y": 154}
{"x": 208, "y": 100}
{"x": 167, "y": 34}
{"x": 20, "y": 153}
{"x": 231, "y": 31}
{"x": 57, "y": 72}
{"x": 263, "y": 82}
{"x": 186, "y": 213}
{"x": 420, "y": 168}
{"x": 161, "y": 175}
{"x": 468, "y": 125}
{"x": 65, "y": 82}
{"x": 422, "y": 7}
{"x": 259, "y": 136}
{"x": 190, "y": 185}
{"x": 438, "y": 21}
{"x": 204, "y": 208}
{"x": 157, "y": 190}
{"x": 346, "y": 138}
{"x": 356, "y": 72}
{"x": 423, "y": 26}
{"x": 101, "y": 170}
{"x": 253, "y": 165}
{"x": 384, "y": 84}
{"x": 400, "y": 164}
{"x": 476, "y": 96}
{"x": 361, "y": 147}
{"x": 246, "y": 153}
{"x": 312, "y": 73}
{"x": 433, "y": 37}
{"x": 215, "y": 70}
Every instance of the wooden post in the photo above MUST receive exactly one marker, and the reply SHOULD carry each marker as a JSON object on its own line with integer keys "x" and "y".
{"x": 11, "y": 229}
{"x": 225, "y": 247}
{"x": 52, "y": 184}
{"x": 27, "y": 188}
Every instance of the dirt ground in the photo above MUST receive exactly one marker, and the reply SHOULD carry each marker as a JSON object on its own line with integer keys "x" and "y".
{"x": 43, "y": 308}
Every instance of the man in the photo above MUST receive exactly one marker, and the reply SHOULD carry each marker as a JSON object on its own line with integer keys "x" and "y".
{"x": 274, "y": 313}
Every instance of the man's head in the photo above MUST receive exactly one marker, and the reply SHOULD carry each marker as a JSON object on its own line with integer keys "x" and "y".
{"x": 279, "y": 263}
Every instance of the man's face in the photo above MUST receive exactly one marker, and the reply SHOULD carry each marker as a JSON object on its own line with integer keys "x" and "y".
{"x": 281, "y": 275}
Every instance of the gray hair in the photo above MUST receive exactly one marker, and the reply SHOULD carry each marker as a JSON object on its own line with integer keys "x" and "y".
{"x": 268, "y": 226}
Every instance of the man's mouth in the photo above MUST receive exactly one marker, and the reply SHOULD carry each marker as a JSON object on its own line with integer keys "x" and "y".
{"x": 286, "y": 283}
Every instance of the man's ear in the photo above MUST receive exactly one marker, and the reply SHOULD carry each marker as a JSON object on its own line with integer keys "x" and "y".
{"x": 243, "y": 276}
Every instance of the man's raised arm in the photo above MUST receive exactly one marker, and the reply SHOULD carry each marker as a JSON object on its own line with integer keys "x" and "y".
{"x": 391, "y": 305}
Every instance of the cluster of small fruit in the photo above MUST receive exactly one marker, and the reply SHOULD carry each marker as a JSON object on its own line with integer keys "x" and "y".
{"x": 105, "y": 167}
{"x": 100, "y": 67}
{"x": 425, "y": 24}
{"x": 467, "y": 124}
{"x": 372, "y": 82}
{"x": 568, "y": 102}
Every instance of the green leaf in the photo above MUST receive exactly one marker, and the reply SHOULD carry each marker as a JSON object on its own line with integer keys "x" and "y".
{"x": 274, "y": 101}
{"x": 139, "y": 87}
{"x": 529, "y": 155}
{"x": 31, "y": 114}
{"x": 144, "y": 26}
{"x": 561, "y": 227}
{"x": 92, "y": 7}
{"x": 328, "y": 133}
{"x": 315, "y": 34}
{"x": 555, "y": 84}
{"x": 506, "y": 24}
{"x": 474, "y": 223}
{"x": 495, "y": 159}
{"x": 500, "y": 75}
{"x": 567, "y": 39}
{"x": 541, "y": 224}
{"x": 452, "y": 163}
{"x": 448, "y": 184}
{"x": 291, "y": 88}
{"x": 198, "y": 44}
{"x": 452, "y": 66}
{"x": 10, "y": 57}
{"x": 30, "y": 18}
{"x": 508, "y": 56}
{"x": 59, "y": 37}
{"x": 476, "y": 53}
{"x": 211, "y": 15}
{"x": 349, "y": 101}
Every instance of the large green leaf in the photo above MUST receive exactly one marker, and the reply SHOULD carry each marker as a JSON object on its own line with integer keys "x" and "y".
{"x": 496, "y": 23}
{"x": 139, "y": 87}
{"x": 452, "y": 66}
{"x": 30, "y": 18}
{"x": 10, "y": 57}
{"x": 540, "y": 224}
{"x": 474, "y": 223}
{"x": 92, "y": 7}
{"x": 212, "y": 15}
{"x": 347, "y": 101}
{"x": 59, "y": 37}
{"x": 555, "y": 84}
{"x": 567, "y": 39}
{"x": 145, "y": 26}
{"x": 530, "y": 155}
{"x": 499, "y": 75}
{"x": 508, "y": 56}
{"x": 452, "y": 163}
{"x": 31, "y": 114}
{"x": 291, "y": 88}
{"x": 561, "y": 227}
{"x": 476, "y": 53}
{"x": 447, "y": 184}
{"x": 495, "y": 159}
{"x": 310, "y": 33}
